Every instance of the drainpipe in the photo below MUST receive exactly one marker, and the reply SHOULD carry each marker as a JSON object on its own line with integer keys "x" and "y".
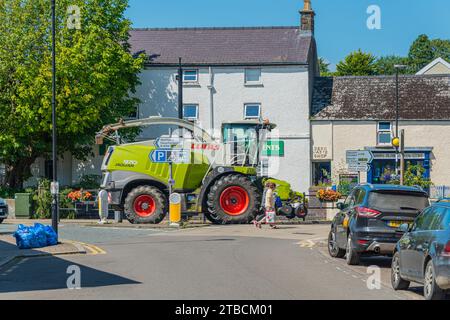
{"x": 211, "y": 100}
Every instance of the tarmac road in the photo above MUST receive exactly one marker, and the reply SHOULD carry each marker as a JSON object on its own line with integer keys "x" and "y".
{"x": 235, "y": 262}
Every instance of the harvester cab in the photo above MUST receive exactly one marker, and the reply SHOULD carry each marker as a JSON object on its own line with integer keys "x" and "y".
{"x": 216, "y": 177}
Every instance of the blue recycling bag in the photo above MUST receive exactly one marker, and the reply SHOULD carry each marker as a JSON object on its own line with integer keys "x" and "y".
{"x": 38, "y": 236}
{"x": 52, "y": 237}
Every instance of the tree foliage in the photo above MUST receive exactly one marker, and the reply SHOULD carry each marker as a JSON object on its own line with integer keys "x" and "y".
{"x": 96, "y": 76}
{"x": 420, "y": 53}
{"x": 357, "y": 63}
{"x": 324, "y": 66}
{"x": 385, "y": 65}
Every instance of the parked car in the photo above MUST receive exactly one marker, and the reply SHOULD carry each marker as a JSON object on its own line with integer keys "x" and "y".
{"x": 369, "y": 217}
{"x": 3, "y": 210}
{"x": 423, "y": 253}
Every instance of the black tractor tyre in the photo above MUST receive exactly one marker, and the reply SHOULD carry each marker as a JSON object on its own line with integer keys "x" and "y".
{"x": 145, "y": 205}
{"x": 233, "y": 199}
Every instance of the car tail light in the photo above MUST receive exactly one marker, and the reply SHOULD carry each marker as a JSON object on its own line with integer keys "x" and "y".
{"x": 363, "y": 242}
{"x": 367, "y": 213}
{"x": 447, "y": 249}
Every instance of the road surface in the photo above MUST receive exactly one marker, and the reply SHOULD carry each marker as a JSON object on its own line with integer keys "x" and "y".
{"x": 227, "y": 262}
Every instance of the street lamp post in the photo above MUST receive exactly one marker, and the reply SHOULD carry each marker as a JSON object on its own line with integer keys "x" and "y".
{"x": 54, "y": 188}
{"x": 397, "y": 117}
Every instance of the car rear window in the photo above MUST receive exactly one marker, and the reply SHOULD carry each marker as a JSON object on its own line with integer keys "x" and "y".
{"x": 398, "y": 201}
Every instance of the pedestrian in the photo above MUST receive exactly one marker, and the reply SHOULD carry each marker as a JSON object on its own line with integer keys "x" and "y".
{"x": 269, "y": 207}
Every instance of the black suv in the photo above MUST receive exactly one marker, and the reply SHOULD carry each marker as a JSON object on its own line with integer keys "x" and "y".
{"x": 369, "y": 217}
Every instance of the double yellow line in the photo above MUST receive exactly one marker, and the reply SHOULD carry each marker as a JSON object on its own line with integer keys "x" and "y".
{"x": 93, "y": 249}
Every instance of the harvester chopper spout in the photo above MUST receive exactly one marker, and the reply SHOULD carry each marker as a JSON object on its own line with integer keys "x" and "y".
{"x": 110, "y": 131}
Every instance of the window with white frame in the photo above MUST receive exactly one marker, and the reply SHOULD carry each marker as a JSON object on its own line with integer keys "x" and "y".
{"x": 252, "y": 111}
{"x": 253, "y": 76}
{"x": 190, "y": 112}
{"x": 384, "y": 133}
{"x": 190, "y": 75}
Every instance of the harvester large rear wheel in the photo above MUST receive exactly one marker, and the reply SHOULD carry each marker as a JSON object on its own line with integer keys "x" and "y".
{"x": 233, "y": 199}
{"x": 145, "y": 205}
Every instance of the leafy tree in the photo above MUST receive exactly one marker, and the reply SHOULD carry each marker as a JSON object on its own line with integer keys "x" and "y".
{"x": 441, "y": 49}
{"x": 420, "y": 53}
{"x": 357, "y": 63}
{"x": 385, "y": 65}
{"x": 414, "y": 176}
{"x": 324, "y": 66}
{"x": 95, "y": 79}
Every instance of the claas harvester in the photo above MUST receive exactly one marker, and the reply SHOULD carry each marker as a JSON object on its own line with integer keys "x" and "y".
{"x": 220, "y": 177}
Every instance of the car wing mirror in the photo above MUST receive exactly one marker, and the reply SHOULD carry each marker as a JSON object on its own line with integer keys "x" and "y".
{"x": 404, "y": 228}
{"x": 340, "y": 206}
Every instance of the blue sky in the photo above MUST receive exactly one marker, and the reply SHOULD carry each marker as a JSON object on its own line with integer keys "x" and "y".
{"x": 340, "y": 24}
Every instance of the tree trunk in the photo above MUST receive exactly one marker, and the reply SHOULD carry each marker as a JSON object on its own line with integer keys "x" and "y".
{"x": 18, "y": 172}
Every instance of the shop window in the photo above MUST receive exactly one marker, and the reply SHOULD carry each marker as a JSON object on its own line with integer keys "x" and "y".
{"x": 322, "y": 174}
{"x": 384, "y": 133}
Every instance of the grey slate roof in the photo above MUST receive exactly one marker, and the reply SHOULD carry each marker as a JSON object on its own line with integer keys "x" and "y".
{"x": 198, "y": 46}
{"x": 373, "y": 98}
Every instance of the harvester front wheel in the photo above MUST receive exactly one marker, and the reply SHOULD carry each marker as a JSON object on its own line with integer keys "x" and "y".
{"x": 145, "y": 205}
{"x": 234, "y": 199}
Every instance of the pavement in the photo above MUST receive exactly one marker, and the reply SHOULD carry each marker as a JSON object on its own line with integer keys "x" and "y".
{"x": 9, "y": 251}
{"x": 207, "y": 263}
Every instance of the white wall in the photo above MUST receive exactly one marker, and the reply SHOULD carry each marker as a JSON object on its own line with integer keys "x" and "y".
{"x": 284, "y": 98}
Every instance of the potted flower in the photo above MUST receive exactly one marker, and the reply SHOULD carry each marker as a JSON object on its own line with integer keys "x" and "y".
{"x": 325, "y": 195}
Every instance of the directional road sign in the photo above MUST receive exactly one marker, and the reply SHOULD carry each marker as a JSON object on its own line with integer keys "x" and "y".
{"x": 358, "y": 161}
{"x": 167, "y": 142}
{"x": 168, "y": 156}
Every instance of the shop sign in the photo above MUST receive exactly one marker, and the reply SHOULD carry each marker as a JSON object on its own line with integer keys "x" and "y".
{"x": 392, "y": 156}
{"x": 273, "y": 148}
{"x": 320, "y": 153}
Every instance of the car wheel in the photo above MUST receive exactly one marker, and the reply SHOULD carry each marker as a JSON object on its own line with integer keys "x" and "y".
{"x": 333, "y": 248}
{"x": 352, "y": 256}
{"x": 431, "y": 290}
{"x": 396, "y": 280}
{"x": 1, "y": 221}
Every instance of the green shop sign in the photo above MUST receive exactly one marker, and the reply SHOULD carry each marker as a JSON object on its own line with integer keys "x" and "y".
{"x": 273, "y": 148}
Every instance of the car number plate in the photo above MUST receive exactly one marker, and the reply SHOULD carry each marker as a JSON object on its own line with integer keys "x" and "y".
{"x": 395, "y": 224}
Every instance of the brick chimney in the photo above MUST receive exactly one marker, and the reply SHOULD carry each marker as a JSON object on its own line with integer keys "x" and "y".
{"x": 307, "y": 18}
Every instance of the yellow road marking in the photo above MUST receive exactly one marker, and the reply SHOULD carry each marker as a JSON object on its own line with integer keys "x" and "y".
{"x": 93, "y": 249}
{"x": 307, "y": 244}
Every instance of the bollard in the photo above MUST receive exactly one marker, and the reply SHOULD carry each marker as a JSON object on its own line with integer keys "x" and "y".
{"x": 103, "y": 206}
{"x": 118, "y": 217}
{"x": 175, "y": 209}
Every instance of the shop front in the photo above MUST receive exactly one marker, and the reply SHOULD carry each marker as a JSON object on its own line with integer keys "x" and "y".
{"x": 386, "y": 162}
